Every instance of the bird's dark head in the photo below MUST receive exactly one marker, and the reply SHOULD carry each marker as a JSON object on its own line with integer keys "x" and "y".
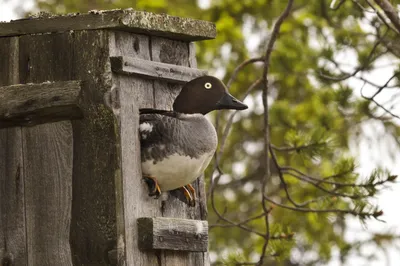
{"x": 205, "y": 94}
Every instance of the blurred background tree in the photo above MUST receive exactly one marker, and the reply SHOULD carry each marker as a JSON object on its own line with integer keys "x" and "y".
{"x": 323, "y": 96}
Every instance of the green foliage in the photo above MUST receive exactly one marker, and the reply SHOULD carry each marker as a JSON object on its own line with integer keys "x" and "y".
{"x": 311, "y": 115}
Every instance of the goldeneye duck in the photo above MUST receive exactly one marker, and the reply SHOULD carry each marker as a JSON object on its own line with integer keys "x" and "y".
{"x": 178, "y": 145}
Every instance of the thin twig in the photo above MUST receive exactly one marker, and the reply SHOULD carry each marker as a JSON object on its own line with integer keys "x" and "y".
{"x": 223, "y": 218}
{"x": 384, "y": 86}
{"x": 241, "y": 66}
{"x": 372, "y": 98}
{"x": 298, "y": 148}
{"x": 333, "y": 7}
{"x": 241, "y": 222}
{"x": 282, "y": 179}
{"x": 374, "y": 214}
{"x": 358, "y": 69}
{"x": 225, "y": 134}
{"x": 271, "y": 42}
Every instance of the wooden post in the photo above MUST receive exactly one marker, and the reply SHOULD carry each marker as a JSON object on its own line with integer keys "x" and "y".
{"x": 71, "y": 191}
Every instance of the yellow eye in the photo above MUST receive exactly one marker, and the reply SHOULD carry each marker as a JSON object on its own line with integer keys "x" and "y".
{"x": 207, "y": 85}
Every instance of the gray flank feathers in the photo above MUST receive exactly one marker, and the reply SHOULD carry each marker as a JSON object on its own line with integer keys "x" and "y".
{"x": 186, "y": 135}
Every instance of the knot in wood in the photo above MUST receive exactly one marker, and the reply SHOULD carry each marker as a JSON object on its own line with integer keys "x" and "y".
{"x": 28, "y": 120}
{"x": 6, "y": 261}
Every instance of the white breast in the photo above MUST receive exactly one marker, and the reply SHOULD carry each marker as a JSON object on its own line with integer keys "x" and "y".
{"x": 176, "y": 170}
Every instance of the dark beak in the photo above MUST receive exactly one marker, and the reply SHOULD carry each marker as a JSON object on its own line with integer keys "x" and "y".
{"x": 230, "y": 102}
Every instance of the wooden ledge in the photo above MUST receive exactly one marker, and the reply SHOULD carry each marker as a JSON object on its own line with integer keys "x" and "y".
{"x": 31, "y": 104}
{"x": 173, "y": 234}
{"x": 162, "y": 25}
{"x": 154, "y": 70}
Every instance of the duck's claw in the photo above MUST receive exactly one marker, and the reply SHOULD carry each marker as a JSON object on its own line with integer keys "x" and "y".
{"x": 190, "y": 194}
{"x": 154, "y": 188}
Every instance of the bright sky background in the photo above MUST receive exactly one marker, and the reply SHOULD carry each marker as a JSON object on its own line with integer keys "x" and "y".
{"x": 371, "y": 155}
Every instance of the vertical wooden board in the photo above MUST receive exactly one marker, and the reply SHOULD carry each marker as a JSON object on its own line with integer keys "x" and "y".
{"x": 170, "y": 52}
{"x": 192, "y": 55}
{"x": 137, "y": 46}
{"x": 9, "y": 61}
{"x": 176, "y": 52}
{"x": 93, "y": 224}
{"x": 201, "y": 189}
{"x": 47, "y": 155}
{"x": 136, "y": 203}
{"x": 12, "y": 198}
{"x": 132, "y": 199}
{"x": 202, "y": 212}
{"x": 5, "y": 47}
{"x": 45, "y": 58}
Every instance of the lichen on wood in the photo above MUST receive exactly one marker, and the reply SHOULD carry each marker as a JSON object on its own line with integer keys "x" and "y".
{"x": 184, "y": 29}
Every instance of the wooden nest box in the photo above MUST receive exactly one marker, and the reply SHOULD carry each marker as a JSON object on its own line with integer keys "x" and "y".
{"x": 71, "y": 191}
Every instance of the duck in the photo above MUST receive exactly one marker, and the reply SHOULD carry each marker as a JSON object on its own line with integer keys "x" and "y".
{"x": 177, "y": 145}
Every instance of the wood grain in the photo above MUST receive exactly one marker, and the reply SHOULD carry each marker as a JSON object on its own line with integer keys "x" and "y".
{"x": 128, "y": 20}
{"x": 31, "y": 104}
{"x": 93, "y": 224}
{"x": 173, "y": 234}
{"x": 47, "y": 159}
{"x": 192, "y": 55}
{"x": 47, "y": 155}
{"x": 12, "y": 194}
{"x": 132, "y": 199}
{"x": 154, "y": 70}
{"x": 175, "y": 52}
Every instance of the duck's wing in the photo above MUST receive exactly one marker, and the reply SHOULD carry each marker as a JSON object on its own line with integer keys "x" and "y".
{"x": 156, "y": 127}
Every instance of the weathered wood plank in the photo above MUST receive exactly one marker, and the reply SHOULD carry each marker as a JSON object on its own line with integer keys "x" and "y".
{"x": 173, "y": 234}
{"x": 201, "y": 212}
{"x": 47, "y": 158}
{"x": 9, "y": 61}
{"x": 175, "y": 52}
{"x": 169, "y": 52}
{"x": 128, "y": 20}
{"x": 201, "y": 188}
{"x": 132, "y": 193}
{"x": 12, "y": 199}
{"x": 192, "y": 55}
{"x": 96, "y": 161}
{"x": 154, "y": 70}
{"x": 31, "y": 104}
{"x": 12, "y": 203}
{"x": 47, "y": 152}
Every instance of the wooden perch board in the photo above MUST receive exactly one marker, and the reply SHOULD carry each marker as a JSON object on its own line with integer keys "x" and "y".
{"x": 154, "y": 70}
{"x": 31, "y": 104}
{"x": 184, "y": 29}
{"x": 173, "y": 234}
